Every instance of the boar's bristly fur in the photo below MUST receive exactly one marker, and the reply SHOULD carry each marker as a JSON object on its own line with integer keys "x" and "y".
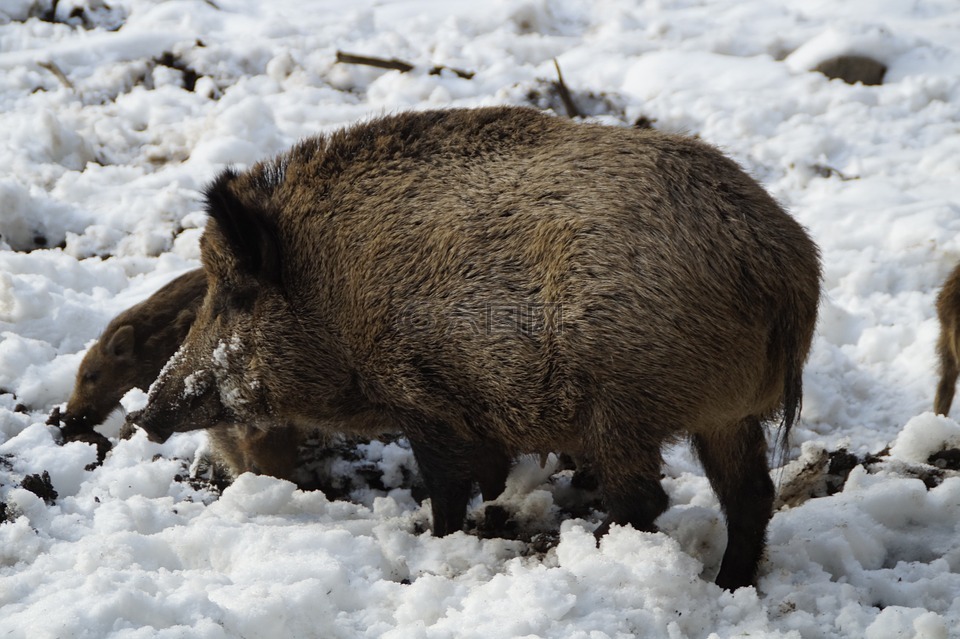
{"x": 496, "y": 281}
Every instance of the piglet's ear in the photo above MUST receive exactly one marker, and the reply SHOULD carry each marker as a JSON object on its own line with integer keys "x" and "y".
{"x": 120, "y": 344}
{"x": 247, "y": 231}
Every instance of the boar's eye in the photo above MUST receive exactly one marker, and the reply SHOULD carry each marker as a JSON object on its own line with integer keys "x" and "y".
{"x": 236, "y": 301}
{"x": 91, "y": 377}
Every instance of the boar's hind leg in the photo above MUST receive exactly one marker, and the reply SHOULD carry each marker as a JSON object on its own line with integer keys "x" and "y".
{"x": 735, "y": 461}
{"x": 448, "y": 467}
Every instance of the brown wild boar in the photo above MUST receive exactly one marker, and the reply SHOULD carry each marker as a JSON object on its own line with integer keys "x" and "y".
{"x": 130, "y": 353}
{"x": 948, "y": 345}
{"x": 242, "y": 449}
{"x": 497, "y": 281}
{"x": 133, "y": 348}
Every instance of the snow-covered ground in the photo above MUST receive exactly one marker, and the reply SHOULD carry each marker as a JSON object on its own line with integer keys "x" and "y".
{"x": 115, "y": 116}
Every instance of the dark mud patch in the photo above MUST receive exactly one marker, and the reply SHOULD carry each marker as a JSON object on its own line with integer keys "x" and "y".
{"x": 824, "y": 473}
{"x": 41, "y": 486}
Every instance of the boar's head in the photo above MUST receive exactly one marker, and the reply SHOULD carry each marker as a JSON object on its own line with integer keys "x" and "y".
{"x": 217, "y": 375}
{"x": 108, "y": 370}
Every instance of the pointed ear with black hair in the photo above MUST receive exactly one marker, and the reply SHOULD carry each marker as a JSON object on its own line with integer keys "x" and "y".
{"x": 249, "y": 234}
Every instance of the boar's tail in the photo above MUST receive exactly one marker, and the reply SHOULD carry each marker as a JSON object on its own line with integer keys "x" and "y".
{"x": 792, "y": 403}
{"x": 795, "y": 344}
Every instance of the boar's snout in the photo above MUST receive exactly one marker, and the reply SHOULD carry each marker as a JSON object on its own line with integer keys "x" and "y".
{"x": 154, "y": 423}
{"x": 179, "y": 402}
{"x": 75, "y": 420}
{"x": 75, "y": 423}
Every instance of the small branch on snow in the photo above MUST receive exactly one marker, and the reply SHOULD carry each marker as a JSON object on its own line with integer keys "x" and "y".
{"x": 380, "y": 63}
{"x": 568, "y": 104}
{"x": 396, "y": 65}
{"x": 460, "y": 73}
{"x": 51, "y": 66}
{"x": 826, "y": 171}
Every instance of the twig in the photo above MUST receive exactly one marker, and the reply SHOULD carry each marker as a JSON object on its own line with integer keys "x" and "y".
{"x": 568, "y": 103}
{"x": 55, "y": 70}
{"x": 826, "y": 171}
{"x": 460, "y": 73}
{"x": 396, "y": 65}
{"x": 380, "y": 63}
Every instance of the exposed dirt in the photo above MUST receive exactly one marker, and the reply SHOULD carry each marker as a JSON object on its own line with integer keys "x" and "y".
{"x": 41, "y": 486}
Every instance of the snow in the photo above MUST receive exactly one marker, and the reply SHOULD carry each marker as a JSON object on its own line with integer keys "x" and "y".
{"x": 101, "y": 174}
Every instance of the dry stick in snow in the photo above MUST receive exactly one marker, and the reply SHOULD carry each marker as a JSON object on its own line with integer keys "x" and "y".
{"x": 395, "y": 65}
{"x": 380, "y": 63}
{"x": 50, "y": 66}
{"x": 568, "y": 104}
{"x": 460, "y": 73}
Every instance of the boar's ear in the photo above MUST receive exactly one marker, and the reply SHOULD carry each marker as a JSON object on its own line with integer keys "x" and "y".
{"x": 184, "y": 321}
{"x": 120, "y": 344}
{"x": 249, "y": 234}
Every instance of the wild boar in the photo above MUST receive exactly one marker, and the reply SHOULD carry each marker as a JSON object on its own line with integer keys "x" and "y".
{"x": 242, "y": 449}
{"x": 130, "y": 353}
{"x": 133, "y": 348}
{"x": 498, "y": 281}
{"x": 948, "y": 344}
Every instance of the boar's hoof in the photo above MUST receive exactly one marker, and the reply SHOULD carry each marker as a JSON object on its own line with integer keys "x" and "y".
{"x": 733, "y": 579}
{"x": 496, "y": 523}
{"x": 604, "y": 528}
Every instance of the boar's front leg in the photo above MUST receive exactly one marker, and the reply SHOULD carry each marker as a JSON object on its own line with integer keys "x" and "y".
{"x": 449, "y": 466}
{"x": 444, "y": 467}
{"x": 631, "y": 489}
